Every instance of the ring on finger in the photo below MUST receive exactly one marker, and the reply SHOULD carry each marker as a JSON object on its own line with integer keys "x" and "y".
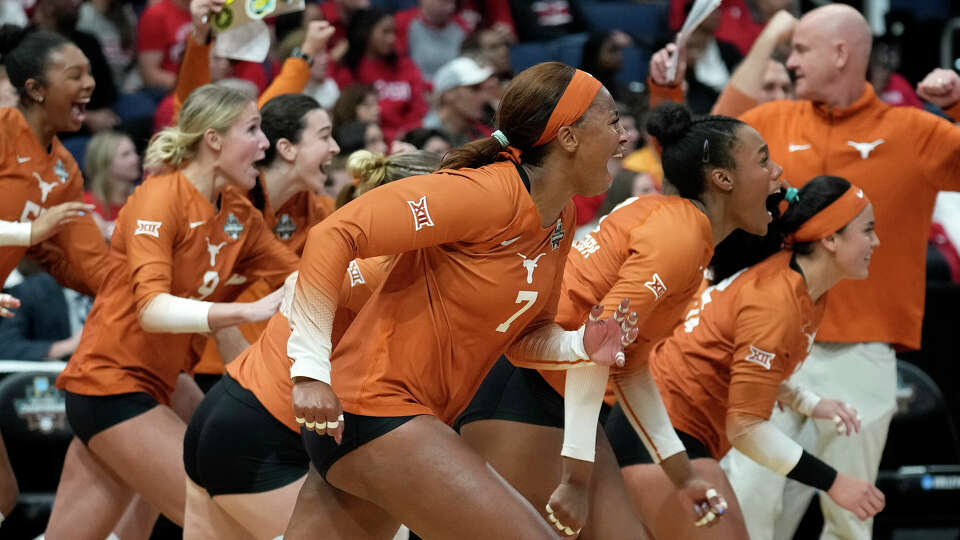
{"x": 568, "y": 531}
{"x": 301, "y": 420}
{"x": 309, "y": 425}
{"x": 711, "y": 493}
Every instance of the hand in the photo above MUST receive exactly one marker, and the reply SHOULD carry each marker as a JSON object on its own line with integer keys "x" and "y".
{"x": 8, "y": 301}
{"x": 857, "y": 496}
{"x": 65, "y": 347}
{"x": 708, "y": 505}
{"x": 505, "y": 32}
{"x": 845, "y": 418}
{"x": 604, "y": 340}
{"x": 941, "y": 87}
{"x": 568, "y": 507}
{"x": 780, "y": 27}
{"x": 318, "y": 34}
{"x": 201, "y": 12}
{"x": 101, "y": 120}
{"x": 660, "y": 63}
{"x": 265, "y": 307}
{"x": 55, "y": 218}
{"x": 317, "y": 408}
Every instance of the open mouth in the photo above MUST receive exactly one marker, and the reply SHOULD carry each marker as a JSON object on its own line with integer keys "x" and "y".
{"x": 79, "y": 110}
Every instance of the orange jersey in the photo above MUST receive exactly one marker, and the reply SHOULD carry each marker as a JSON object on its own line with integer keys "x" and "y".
{"x": 264, "y": 368}
{"x": 472, "y": 278}
{"x": 650, "y": 249}
{"x": 168, "y": 239}
{"x": 750, "y": 333}
{"x": 289, "y": 224}
{"x": 32, "y": 181}
{"x": 901, "y": 157}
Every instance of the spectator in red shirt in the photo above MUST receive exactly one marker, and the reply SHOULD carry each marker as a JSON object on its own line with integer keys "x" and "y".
{"x": 372, "y": 58}
{"x": 161, "y": 40}
{"x": 489, "y": 15}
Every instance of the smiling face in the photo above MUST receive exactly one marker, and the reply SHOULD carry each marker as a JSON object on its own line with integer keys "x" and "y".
{"x": 601, "y": 136}
{"x": 855, "y": 245}
{"x": 754, "y": 178}
{"x": 66, "y": 88}
{"x": 241, "y": 147}
{"x": 315, "y": 150}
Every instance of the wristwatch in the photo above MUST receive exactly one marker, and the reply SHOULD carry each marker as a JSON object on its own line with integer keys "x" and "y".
{"x": 297, "y": 52}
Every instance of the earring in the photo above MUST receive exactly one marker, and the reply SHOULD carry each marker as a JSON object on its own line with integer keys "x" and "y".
{"x": 39, "y": 99}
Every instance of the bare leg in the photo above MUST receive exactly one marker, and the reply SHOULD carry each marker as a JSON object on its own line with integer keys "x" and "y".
{"x": 668, "y": 517}
{"x": 140, "y": 516}
{"x": 147, "y": 452}
{"x": 323, "y": 510}
{"x": 265, "y": 514}
{"x": 8, "y": 482}
{"x": 88, "y": 493}
{"x": 528, "y": 456}
{"x": 204, "y": 520}
{"x": 430, "y": 479}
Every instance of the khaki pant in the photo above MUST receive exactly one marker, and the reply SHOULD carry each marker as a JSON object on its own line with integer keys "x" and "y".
{"x": 862, "y": 374}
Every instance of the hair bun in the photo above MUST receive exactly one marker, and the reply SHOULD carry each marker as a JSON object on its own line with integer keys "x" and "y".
{"x": 10, "y": 36}
{"x": 364, "y": 165}
{"x": 669, "y": 122}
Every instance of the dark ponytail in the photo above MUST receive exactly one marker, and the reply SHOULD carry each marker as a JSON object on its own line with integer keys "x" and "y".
{"x": 26, "y": 53}
{"x": 742, "y": 249}
{"x": 692, "y": 146}
{"x": 522, "y": 116}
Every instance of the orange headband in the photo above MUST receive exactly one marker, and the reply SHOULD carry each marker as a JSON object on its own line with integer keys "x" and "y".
{"x": 834, "y": 217}
{"x": 576, "y": 99}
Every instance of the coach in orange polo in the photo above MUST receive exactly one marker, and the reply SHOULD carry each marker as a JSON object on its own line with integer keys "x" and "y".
{"x": 901, "y": 157}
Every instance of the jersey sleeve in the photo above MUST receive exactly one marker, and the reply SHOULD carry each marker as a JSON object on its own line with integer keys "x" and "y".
{"x": 664, "y": 257}
{"x": 77, "y": 255}
{"x": 401, "y": 216}
{"x": 194, "y": 73}
{"x": 292, "y": 79}
{"x": 733, "y": 102}
{"x": 267, "y": 257}
{"x": 938, "y": 141}
{"x": 150, "y": 228}
{"x": 761, "y": 357}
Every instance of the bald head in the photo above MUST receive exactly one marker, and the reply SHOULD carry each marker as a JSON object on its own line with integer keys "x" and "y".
{"x": 840, "y": 22}
{"x": 831, "y": 52}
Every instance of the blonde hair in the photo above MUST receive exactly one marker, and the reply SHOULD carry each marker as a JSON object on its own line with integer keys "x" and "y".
{"x": 211, "y": 106}
{"x": 370, "y": 170}
{"x": 97, "y": 163}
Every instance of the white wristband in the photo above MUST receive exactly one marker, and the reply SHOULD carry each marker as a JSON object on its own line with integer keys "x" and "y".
{"x": 13, "y": 233}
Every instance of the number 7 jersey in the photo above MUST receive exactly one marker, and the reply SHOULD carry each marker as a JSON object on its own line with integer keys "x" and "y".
{"x": 477, "y": 271}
